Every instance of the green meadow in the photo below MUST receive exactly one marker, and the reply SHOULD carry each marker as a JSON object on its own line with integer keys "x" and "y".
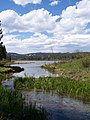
{"x": 78, "y": 69}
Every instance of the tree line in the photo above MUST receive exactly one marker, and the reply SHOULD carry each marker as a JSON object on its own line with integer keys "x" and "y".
{"x": 49, "y": 56}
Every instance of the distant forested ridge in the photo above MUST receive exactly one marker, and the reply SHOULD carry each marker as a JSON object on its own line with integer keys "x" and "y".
{"x": 48, "y": 56}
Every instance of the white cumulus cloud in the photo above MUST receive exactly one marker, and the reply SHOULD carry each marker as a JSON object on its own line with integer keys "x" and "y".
{"x": 67, "y": 34}
{"x": 35, "y": 21}
{"x": 25, "y": 2}
{"x": 54, "y": 2}
{"x": 74, "y": 19}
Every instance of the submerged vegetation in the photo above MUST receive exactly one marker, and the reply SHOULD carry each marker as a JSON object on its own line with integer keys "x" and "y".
{"x": 62, "y": 86}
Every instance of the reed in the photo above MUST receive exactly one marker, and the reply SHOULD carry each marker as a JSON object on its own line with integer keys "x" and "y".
{"x": 60, "y": 85}
{"x": 13, "y": 107}
{"x": 4, "y": 76}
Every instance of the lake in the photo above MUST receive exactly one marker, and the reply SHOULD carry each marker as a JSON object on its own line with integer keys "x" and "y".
{"x": 59, "y": 108}
{"x": 33, "y": 69}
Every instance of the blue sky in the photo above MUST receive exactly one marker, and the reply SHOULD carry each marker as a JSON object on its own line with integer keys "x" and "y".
{"x": 57, "y": 9}
{"x": 42, "y": 25}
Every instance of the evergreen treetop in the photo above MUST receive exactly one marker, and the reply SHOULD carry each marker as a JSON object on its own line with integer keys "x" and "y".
{"x": 2, "y": 47}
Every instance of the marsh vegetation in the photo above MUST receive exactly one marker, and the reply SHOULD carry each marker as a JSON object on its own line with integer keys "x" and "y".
{"x": 13, "y": 107}
{"x": 12, "y": 103}
{"x": 73, "y": 81}
{"x": 78, "y": 69}
{"x": 61, "y": 86}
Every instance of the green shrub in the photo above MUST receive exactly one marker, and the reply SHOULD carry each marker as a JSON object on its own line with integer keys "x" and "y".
{"x": 86, "y": 62}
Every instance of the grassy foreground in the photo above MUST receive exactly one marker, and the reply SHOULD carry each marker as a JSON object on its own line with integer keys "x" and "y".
{"x": 62, "y": 86}
{"x": 12, "y": 107}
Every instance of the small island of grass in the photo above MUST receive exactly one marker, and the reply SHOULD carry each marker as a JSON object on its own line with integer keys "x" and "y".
{"x": 6, "y": 70}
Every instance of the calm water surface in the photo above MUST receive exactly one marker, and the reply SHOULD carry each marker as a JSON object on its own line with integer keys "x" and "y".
{"x": 34, "y": 69}
{"x": 59, "y": 108}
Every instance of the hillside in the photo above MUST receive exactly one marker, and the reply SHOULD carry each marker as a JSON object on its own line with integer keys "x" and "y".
{"x": 47, "y": 56}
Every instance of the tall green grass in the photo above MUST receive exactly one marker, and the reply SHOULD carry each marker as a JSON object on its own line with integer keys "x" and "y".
{"x": 13, "y": 107}
{"x": 76, "y": 69}
{"x": 86, "y": 62}
{"x": 60, "y": 85}
{"x": 4, "y": 76}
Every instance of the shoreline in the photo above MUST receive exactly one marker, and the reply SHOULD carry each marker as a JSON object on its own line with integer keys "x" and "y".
{"x": 74, "y": 70}
{"x": 22, "y": 62}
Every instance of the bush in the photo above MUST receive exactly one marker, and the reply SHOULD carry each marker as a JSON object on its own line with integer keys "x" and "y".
{"x": 16, "y": 68}
{"x": 86, "y": 62}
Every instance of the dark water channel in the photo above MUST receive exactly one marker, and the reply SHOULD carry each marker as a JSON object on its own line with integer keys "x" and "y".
{"x": 59, "y": 108}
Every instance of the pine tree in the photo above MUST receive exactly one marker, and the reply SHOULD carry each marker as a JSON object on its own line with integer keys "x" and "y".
{"x": 1, "y": 35}
{"x": 2, "y": 47}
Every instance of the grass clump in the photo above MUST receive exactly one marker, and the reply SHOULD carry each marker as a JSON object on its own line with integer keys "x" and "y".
{"x": 11, "y": 69}
{"x": 63, "y": 86}
{"x": 86, "y": 62}
{"x": 13, "y": 107}
{"x": 5, "y": 70}
{"x": 4, "y": 76}
{"x": 5, "y": 62}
